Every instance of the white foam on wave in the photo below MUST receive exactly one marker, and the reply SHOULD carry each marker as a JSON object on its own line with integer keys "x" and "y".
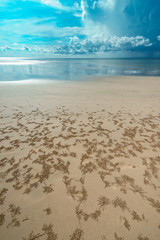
{"x": 30, "y": 81}
{"x": 21, "y": 62}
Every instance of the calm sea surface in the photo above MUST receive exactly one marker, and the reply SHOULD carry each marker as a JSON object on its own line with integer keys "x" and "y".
{"x": 15, "y": 69}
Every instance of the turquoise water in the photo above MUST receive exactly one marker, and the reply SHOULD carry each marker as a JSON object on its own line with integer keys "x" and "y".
{"x": 14, "y": 69}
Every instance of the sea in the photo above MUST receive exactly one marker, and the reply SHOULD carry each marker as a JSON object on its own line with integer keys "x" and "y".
{"x": 75, "y": 69}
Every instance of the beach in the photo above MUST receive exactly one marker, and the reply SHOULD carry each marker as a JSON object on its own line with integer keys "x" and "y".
{"x": 80, "y": 160}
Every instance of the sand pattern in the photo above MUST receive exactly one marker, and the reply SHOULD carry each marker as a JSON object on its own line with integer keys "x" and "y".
{"x": 79, "y": 174}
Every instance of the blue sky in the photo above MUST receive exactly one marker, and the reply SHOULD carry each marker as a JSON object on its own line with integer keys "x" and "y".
{"x": 103, "y": 28}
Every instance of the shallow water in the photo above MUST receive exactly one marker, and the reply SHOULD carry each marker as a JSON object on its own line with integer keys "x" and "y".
{"x": 14, "y": 69}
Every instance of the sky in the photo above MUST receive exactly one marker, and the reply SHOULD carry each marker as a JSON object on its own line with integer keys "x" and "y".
{"x": 87, "y": 28}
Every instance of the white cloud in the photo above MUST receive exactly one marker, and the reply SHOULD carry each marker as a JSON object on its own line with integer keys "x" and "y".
{"x": 83, "y": 7}
{"x": 105, "y": 4}
{"x": 36, "y": 28}
{"x": 56, "y": 4}
{"x": 120, "y": 17}
{"x": 110, "y": 44}
{"x": 15, "y": 47}
{"x": 53, "y": 3}
{"x": 124, "y": 42}
{"x": 75, "y": 46}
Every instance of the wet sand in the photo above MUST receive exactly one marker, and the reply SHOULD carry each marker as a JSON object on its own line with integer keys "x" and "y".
{"x": 80, "y": 160}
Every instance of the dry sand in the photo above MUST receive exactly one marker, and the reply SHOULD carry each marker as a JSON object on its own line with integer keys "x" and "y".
{"x": 80, "y": 160}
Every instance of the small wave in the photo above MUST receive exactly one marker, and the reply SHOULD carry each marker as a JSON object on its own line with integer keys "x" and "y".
{"x": 21, "y": 62}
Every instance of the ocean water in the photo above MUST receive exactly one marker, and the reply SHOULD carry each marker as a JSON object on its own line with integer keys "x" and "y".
{"x": 16, "y": 69}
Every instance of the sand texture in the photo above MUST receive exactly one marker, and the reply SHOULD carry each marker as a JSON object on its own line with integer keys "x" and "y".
{"x": 80, "y": 160}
